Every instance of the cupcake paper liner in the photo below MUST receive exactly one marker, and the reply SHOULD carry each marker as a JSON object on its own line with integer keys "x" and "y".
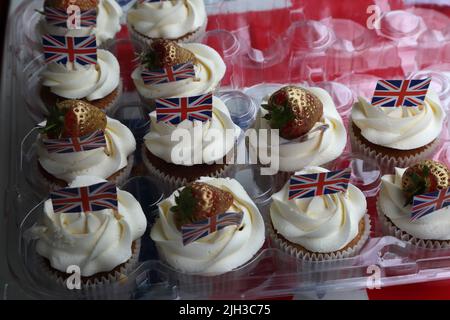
{"x": 49, "y": 185}
{"x": 114, "y": 104}
{"x": 314, "y": 257}
{"x": 388, "y": 163}
{"x": 118, "y": 180}
{"x": 389, "y": 228}
{"x": 148, "y": 102}
{"x": 126, "y": 171}
{"x": 140, "y": 41}
{"x": 176, "y": 182}
{"x": 41, "y": 105}
{"x": 216, "y": 285}
{"x": 98, "y": 288}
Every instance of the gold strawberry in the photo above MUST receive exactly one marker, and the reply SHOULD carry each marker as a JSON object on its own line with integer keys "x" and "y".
{"x": 165, "y": 53}
{"x": 199, "y": 201}
{"x": 74, "y": 118}
{"x": 424, "y": 177}
{"x": 63, "y": 4}
{"x": 293, "y": 111}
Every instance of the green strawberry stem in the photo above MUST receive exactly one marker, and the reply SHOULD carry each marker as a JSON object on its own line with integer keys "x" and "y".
{"x": 150, "y": 60}
{"x": 54, "y": 126}
{"x": 185, "y": 204}
{"x": 279, "y": 116}
{"x": 419, "y": 184}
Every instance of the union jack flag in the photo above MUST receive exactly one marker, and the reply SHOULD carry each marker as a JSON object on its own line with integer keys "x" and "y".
{"x": 200, "y": 229}
{"x": 59, "y": 17}
{"x": 175, "y": 110}
{"x": 169, "y": 74}
{"x": 427, "y": 203}
{"x": 96, "y": 197}
{"x": 317, "y": 184}
{"x": 88, "y": 142}
{"x": 398, "y": 93}
{"x": 60, "y": 49}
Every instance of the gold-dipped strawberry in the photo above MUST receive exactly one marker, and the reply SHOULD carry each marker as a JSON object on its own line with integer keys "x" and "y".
{"x": 424, "y": 177}
{"x": 74, "y": 118}
{"x": 199, "y": 201}
{"x": 64, "y": 4}
{"x": 294, "y": 111}
{"x": 165, "y": 53}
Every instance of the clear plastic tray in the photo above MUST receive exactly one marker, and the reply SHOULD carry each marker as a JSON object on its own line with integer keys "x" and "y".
{"x": 291, "y": 43}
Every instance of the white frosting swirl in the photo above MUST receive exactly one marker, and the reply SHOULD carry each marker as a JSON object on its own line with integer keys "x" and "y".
{"x": 109, "y": 13}
{"x": 209, "y": 71}
{"x": 321, "y": 146}
{"x": 434, "y": 226}
{"x": 322, "y": 224}
{"x": 400, "y": 128}
{"x": 91, "y": 81}
{"x": 219, "y": 252}
{"x": 193, "y": 142}
{"x": 95, "y": 241}
{"x": 67, "y": 166}
{"x": 108, "y": 20}
{"x": 167, "y": 19}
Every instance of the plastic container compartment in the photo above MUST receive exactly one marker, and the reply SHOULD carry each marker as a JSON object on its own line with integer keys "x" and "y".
{"x": 403, "y": 28}
{"x": 433, "y": 43}
{"x": 263, "y": 44}
{"x": 337, "y": 54}
{"x": 440, "y": 83}
{"x": 227, "y": 45}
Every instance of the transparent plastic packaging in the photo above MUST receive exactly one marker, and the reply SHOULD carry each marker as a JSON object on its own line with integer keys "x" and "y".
{"x": 264, "y": 48}
{"x": 440, "y": 75}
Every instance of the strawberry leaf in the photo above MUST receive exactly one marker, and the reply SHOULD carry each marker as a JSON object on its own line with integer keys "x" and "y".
{"x": 150, "y": 60}
{"x": 426, "y": 171}
{"x": 419, "y": 185}
{"x": 185, "y": 204}
{"x": 54, "y": 126}
{"x": 266, "y": 107}
{"x": 279, "y": 117}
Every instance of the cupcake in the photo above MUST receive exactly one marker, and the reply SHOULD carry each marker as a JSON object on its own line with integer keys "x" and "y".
{"x": 177, "y": 20}
{"x": 209, "y": 70}
{"x": 99, "y": 83}
{"x": 103, "y": 243}
{"x": 220, "y": 251}
{"x": 178, "y": 154}
{"x": 326, "y": 227}
{"x": 311, "y": 132}
{"x": 397, "y": 137}
{"x": 104, "y": 27}
{"x": 395, "y": 205}
{"x": 107, "y": 150}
